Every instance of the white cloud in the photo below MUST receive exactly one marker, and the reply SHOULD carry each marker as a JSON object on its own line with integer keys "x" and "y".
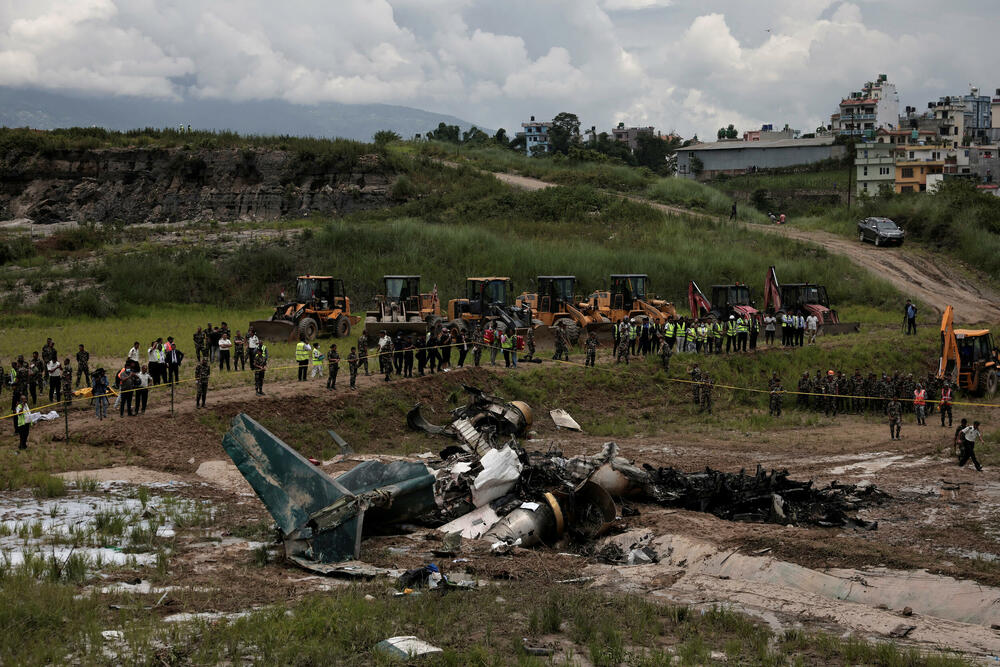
{"x": 676, "y": 64}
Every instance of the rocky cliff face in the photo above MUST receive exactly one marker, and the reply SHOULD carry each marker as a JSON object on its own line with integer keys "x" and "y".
{"x": 166, "y": 185}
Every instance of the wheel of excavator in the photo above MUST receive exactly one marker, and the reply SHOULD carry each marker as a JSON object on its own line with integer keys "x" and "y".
{"x": 341, "y": 327}
{"x": 572, "y": 332}
{"x": 991, "y": 383}
{"x": 308, "y": 328}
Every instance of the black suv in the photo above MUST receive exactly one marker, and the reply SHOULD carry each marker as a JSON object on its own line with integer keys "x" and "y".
{"x": 880, "y": 231}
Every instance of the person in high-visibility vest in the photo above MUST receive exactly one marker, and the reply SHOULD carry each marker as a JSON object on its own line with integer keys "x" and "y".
{"x": 920, "y": 404}
{"x": 701, "y": 338}
{"x": 945, "y": 405}
{"x": 731, "y": 334}
{"x": 317, "y": 363}
{"x": 670, "y": 333}
{"x": 507, "y": 345}
{"x": 717, "y": 336}
{"x": 742, "y": 333}
{"x": 23, "y": 421}
{"x": 302, "y": 350}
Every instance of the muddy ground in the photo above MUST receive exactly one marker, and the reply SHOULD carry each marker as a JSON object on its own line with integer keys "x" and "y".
{"x": 935, "y": 549}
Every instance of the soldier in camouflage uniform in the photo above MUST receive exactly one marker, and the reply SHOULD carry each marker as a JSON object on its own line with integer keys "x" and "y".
{"x": 200, "y": 342}
{"x": 82, "y": 366}
{"x": 818, "y": 389}
{"x": 804, "y": 388}
{"x": 886, "y": 391}
{"x": 622, "y": 348}
{"x": 363, "y": 351}
{"x": 895, "y": 412}
{"x": 333, "y": 361}
{"x": 477, "y": 344}
{"x": 870, "y": 390}
{"x": 705, "y": 387}
{"x": 562, "y": 342}
{"x": 830, "y": 394}
{"x": 352, "y": 366}
{"x": 67, "y": 381}
{"x": 908, "y": 385}
{"x": 857, "y": 391}
{"x": 777, "y": 396}
{"x": 696, "y": 377}
{"x": 933, "y": 387}
{"x": 592, "y": 344}
{"x": 529, "y": 342}
{"x": 201, "y": 373}
{"x": 36, "y": 376}
{"x": 844, "y": 390}
{"x": 666, "y": 351}
{"x": 259, "y": 365}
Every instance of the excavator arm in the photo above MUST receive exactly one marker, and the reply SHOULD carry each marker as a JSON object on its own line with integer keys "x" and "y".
{"x": 772, "y": 291}
{"x": 700, "y": 306}
{"x": 951, "y": 362}
{"x": 653, "y": 313}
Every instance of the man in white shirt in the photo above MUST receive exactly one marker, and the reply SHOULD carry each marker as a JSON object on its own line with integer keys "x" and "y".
{"x": 812, "y": 326}
{"x": 142, "y": 393}
{"x": 133, "y": 354}
{"x": 970, "y": 435}
{"x": 225, "y": 345}
{"x": 769, "y": 326}
{"x": 54, "y": 369}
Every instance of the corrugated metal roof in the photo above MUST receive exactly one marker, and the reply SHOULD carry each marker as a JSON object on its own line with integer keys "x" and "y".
{"x": 760, "y": 145}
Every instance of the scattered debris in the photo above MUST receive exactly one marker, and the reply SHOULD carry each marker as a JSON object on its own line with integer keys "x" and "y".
{"x": 406, "y": 647}
{"x": 480, "y": 424}
{"x": 563, "y": 420}
{"x": 344, "y": 447}
{"x": 907, "y": 611}
{"x": 901, "y": 631}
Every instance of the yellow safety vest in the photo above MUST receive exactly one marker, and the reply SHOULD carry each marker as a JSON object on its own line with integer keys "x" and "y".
{"x": 507, "y": 343}
{"x": 669, "y": 329}
{"x": 301, "y": 353}
{"x": 741, "y": 325}
{"x": 22, "y": 415}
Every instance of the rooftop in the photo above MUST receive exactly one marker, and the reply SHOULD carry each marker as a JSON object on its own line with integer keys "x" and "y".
{"x": 760, "y": 145}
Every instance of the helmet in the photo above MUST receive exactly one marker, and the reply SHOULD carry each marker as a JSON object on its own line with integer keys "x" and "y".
{"x": 830, "y": 373}
{"x": 732, "y": 317}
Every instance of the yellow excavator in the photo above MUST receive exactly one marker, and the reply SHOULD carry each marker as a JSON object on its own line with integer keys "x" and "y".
{"x": 555, "y": 302}
{"x": 627, "y": 299}
{"x": 968, "y": 357}
{"x": 319, "y": 306}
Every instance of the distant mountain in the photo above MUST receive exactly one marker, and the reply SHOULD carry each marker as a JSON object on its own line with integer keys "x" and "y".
{"x": 46, "y": 110}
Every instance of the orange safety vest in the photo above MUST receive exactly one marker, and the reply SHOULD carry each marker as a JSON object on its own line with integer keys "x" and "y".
{"x": 919, "y": 397}
{"x": 946, "y": 396}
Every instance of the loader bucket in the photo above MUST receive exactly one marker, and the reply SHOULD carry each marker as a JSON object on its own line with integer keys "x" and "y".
{"x": 375, "y": 328}
{"x": 605, "y": 332}
{"x": 545, "y": 336}
{"x": 840, "y": 328}
{"x": 276, "y": 331}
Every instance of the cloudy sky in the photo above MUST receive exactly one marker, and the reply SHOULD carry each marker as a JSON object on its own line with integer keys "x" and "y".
{"x": 684, "y": 65}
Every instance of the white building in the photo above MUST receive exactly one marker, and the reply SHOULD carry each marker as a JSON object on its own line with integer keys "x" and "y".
{"x": 863, "y": 112}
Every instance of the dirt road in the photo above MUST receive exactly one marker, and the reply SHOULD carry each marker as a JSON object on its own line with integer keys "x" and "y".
{"x": 916, "y": 273}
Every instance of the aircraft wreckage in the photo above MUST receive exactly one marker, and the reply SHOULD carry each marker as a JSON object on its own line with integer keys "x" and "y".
{"x": 488, "y": 487}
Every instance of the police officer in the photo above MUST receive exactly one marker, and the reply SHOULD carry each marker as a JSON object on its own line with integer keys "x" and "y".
{"x": 302, "y": 353}
{"x": 201, "y": 373}
{"x": 333, "y": 360}
{"x": 592, "y": 344}
{"x": 352, "y": 366}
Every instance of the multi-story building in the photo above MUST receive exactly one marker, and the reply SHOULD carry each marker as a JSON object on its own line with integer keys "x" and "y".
{"x": 915, "y": 162}
{"x": 630, "y": 135}
{"x": 865, "y": 111}
{"x": 536, "y": 136}
{"x": 875, "y": 168}
{"x": 949, "y": 116}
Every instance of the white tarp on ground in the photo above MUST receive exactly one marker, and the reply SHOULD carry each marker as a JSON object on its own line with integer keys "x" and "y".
{"x": 501, "y": 470}
{"x": 406, "y": 647}
{"x": 563, "y": 420}
{"x": 38, "y": 416}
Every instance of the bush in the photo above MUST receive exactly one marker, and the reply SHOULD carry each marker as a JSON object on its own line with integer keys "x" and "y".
{"x": 15, "y": 248}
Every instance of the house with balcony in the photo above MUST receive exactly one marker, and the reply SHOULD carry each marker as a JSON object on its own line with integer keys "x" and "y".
{"x": 865, "y": 111}
{"x": 630, "y": 135}
{"x": 915, "y": 163}
{"x": 536, "y": 136}
{"x": 875, "y": 168}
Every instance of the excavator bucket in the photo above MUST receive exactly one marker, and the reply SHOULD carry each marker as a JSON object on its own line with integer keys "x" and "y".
{"x": 950, "y": 363}
{"x": 275, "y": 331}
{"x": 772, "y": 294}
{"x": 700, "y": 306}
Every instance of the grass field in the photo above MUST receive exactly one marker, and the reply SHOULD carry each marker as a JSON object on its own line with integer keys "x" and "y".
{"x": 832, "y": 179}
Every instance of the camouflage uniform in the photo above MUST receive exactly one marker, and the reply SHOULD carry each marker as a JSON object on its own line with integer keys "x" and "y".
{"x": 829, "y": 397}
{"x": 665, "y": 353}
{"x": 259, "y": 365}
{"x": 857, "y": 391}
{"x": 352, "y": 366}
{"x": 804, "y": 388}
{"x": 818, "y": 390}
{"x": 591, "y": 350}
{"x": 529, "y": 343}
{"x": 363, "y": 351}
{"x": 894, "y": 411}
{"x": 201, "y": 373}
{"x": 777, "y": 396}
{"x": 477, "y": 344}
{"x": 200, "y": 343}
{"x": 82, "y": 366}
{"x": 333, "y": 361}
{"x": 696, "y": 377}
{"x": 67, "y": 383}
{"x": 705, "y": 387}
{"x": 562, "y": 344}
{"x": 622, "y": 349}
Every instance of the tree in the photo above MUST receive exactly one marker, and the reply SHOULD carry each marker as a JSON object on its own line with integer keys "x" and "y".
{"x": 565, "y": 131}
{"x": 517, "y": 143}
{"x": 449, "y": 133}
{"x": 729, "y": 132}
{"x": 721, "y": 134}
{"x": 501, "y": 137}
{"x": 652, "y": 152}
{"x": 474, "y": 136}
{"x": 383, "y": 137}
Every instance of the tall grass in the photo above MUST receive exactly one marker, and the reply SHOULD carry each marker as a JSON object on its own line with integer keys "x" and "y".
{"x": 700, "y": 197}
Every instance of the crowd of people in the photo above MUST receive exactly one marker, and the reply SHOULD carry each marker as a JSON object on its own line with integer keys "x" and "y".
{"x": 441, "y": 348}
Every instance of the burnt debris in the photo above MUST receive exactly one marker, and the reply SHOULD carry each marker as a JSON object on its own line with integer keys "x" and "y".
{"x": 488, "y": 487}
